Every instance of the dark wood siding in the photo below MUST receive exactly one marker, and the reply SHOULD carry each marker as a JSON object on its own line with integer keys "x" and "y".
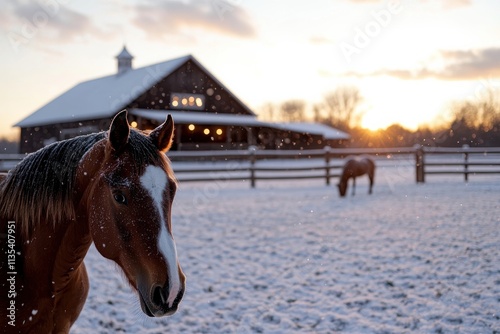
{"x": 34, "y": 138}
{"x": 274, "y": 139}
{"x": 191, "y": 79}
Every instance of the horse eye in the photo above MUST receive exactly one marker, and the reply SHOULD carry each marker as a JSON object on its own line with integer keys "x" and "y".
{"x": 120, "y": 198}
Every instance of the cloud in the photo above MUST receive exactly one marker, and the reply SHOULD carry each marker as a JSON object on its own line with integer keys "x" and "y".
{"x": 26, "y": 22}
{"x": 365, "y": 1}
{"x": 320, "y": 40}
{"x": 447, "y": 4}
{"x": 451, "y": 4}
{"x": 167, "y": 17}
{"x": 64, "y": 23}
{"x": 459, "y": 65}
{"x": 472, "y": 64}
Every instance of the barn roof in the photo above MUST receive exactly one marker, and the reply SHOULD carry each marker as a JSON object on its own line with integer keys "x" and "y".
{"x": 105, "y": 96}
{"x": 313, "y": 128}
{"x": 102, "y": 97}
{"x": 124, "y": 54}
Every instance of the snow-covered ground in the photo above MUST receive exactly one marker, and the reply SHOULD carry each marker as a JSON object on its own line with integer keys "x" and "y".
{"x": 293, "y": 257}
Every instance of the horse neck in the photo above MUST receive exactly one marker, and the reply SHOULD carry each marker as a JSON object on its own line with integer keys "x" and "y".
{"x": 65, "y": 243}
{"x": 345, "y": 176}
{"x": 55, "y": 251}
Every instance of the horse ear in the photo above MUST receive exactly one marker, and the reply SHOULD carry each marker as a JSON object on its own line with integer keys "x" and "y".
{"x": 163, "y": 134}
{"x": 119, "y": 131}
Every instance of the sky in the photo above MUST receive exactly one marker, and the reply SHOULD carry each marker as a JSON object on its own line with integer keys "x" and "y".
{"x": 410, "y": 59}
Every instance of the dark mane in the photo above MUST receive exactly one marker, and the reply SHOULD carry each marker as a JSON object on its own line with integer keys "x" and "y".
{"x": 41, "y": 185}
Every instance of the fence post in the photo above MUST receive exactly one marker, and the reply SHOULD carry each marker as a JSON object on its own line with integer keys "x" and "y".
{"x": 251, "y": 150}
{"x": 420, "y": 163}
{"x": 327, "y": 164}
{"x": 466, "y": 162}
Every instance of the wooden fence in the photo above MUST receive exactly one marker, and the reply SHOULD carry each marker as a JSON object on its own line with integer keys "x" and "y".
{"x": 316, "y": 164}
{"x": 465, "y": 161}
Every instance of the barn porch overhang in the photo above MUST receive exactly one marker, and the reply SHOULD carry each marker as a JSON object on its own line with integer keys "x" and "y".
{"x": 196, "y": 130}
{"x": 185, "y": 117}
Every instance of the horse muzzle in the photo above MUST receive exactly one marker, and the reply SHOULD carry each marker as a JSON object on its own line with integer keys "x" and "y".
{"x": 160, "y": 301}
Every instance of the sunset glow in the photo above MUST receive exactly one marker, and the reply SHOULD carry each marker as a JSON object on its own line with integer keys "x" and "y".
{"x": 409, "y": 59}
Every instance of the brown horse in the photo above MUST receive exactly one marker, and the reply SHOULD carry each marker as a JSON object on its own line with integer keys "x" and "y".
{"x": 113, "y": 188}
{"x": 354, "y": 168}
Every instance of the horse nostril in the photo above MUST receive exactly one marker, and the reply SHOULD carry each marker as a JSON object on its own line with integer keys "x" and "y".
{"x": 159, "y": 297}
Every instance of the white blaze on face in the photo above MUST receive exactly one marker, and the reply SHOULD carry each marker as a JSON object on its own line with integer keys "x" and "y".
{"x": 154, "y": 180}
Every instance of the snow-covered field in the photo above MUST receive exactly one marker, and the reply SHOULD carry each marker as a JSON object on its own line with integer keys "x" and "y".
{"x": 293, "y": 257}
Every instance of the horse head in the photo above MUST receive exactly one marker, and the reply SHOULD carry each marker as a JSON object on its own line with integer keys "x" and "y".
{"x": 342, "y": 186}
{"x": 129, "y": 212}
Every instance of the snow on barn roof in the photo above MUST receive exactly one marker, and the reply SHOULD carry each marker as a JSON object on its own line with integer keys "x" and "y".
{"x": 102, "y": 97}
{"x": 313, "y": 128}
{"x": 125, "y": 54}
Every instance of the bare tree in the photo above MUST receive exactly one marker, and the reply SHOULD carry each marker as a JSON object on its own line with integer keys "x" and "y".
{"x": 489, "y": 109}
{"x": 480, "y": 114}
{"x": 269, "y": 111}
{"x": 293, "y": 111}
{"x": 342, "y": 107}
{"x": 465, "y": 113}
{"x": 318, "y": 112}
{"x": 474, "y": 122}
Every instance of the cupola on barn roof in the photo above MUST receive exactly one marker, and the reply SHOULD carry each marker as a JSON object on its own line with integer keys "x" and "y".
{"x": 124, "y": 60}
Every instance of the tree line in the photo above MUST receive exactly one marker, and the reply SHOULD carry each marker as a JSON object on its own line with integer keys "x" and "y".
{"x": 8, "y": 146}
{"x": 474, "y": 122}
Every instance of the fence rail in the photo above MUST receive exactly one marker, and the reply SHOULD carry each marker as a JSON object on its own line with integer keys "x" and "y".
{"x": 462, "y": 163}
{"x": 320, "y": 164}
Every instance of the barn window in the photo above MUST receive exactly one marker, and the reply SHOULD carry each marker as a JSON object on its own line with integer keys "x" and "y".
{"x": 187, "y": 101}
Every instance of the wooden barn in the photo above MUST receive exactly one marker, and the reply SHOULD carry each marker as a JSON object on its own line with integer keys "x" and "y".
{"x": 207, "y": 115}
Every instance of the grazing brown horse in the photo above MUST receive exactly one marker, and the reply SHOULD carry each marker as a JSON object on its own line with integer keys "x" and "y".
{"x": 113, "y": 188}
{"x": 354, "y": 168}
